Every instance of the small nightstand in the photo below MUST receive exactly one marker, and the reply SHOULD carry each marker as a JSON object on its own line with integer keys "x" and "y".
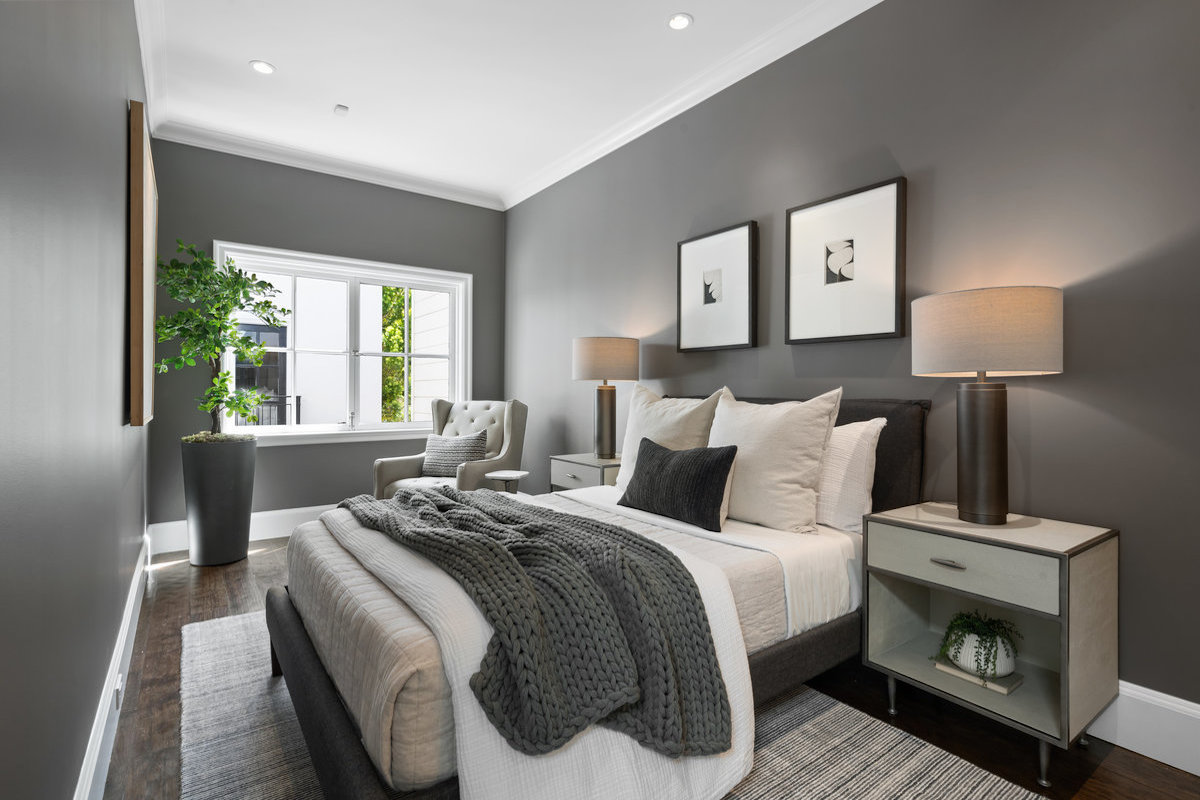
{"x": 1056, "y": 581}
{"x": 577, "y": 470}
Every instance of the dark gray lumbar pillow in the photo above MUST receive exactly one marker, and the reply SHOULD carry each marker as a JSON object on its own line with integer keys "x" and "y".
{"x": 443, "y": 454}
{"x": 687, "y": 485}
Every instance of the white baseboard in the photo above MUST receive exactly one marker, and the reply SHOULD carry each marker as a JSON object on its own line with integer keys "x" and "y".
{"x": 170, "y": 537}
{"x": 99, "y": 749}
{"x": 1157, "y": 725}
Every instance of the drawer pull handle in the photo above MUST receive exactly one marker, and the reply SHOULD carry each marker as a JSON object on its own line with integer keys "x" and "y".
{"x": 945, "y": 562}
{"x": 572, "y": 475}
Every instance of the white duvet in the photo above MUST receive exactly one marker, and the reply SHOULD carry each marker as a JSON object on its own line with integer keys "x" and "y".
{"x": 599, "y": 763}
{"x": 820, "y": 568}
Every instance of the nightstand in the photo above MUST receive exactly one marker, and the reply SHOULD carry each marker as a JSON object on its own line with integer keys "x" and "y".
{"x": 577, "y": 470}
{"x": 1056, "y": 581}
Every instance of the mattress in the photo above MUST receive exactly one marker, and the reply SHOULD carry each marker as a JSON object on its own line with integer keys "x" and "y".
{"x": 386, "y": 664}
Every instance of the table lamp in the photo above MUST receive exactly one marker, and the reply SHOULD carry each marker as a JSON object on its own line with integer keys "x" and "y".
{"x": 998, "y": 332}
{"x": 605, "y": 358}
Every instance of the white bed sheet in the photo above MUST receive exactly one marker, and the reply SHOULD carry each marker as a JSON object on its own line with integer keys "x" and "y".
{"x": 820, "y": 568}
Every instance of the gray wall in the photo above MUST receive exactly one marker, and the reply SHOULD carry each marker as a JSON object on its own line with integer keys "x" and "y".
{"x": 1050, "y": 143}
{"x": 205, "y": 195}
{"x": 72, "y": 474}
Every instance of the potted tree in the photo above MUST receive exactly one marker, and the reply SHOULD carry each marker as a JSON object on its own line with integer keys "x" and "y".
{"x": 218, "y": 468}
{"x": 981, "y": 645}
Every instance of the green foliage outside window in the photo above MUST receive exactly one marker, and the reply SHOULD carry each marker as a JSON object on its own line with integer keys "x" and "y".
{"x": 397, "y": 383}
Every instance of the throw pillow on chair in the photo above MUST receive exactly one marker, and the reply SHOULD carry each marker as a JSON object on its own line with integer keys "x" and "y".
{"x": 444, "y": 454}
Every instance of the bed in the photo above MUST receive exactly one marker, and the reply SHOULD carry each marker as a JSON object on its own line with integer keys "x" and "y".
{"x": 351, "y": 741}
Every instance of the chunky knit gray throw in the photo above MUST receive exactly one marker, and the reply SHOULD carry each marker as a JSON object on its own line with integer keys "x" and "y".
{"x": 593, "y": 623}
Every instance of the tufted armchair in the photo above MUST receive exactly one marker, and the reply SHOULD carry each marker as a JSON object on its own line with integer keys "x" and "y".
{"x": 504, "y": 422}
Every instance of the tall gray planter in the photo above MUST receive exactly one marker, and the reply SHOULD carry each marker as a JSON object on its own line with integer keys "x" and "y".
{"x": 218, "y": 485}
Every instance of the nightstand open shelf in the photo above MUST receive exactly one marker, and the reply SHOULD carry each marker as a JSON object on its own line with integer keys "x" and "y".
{"x": 1035, "y": 705}
{"x": 1055, "y": 581}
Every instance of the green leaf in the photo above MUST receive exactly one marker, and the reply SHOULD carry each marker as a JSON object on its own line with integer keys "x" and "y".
{"x": 212, "y": 294}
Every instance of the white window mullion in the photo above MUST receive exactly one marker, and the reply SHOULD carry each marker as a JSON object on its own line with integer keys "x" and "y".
{"x": 352, "y": 317}
{"x": 293, "y": 373}
{"x": 408, "y": 401}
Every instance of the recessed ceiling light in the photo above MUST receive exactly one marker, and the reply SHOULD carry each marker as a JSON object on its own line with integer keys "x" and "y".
{"x": 679, "y": 21}
{"x": 341, "y": 110}
{"x": 262, "y": 67}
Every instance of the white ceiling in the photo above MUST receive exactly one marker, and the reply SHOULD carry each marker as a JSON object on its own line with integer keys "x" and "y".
{"x": 480, "y": 101}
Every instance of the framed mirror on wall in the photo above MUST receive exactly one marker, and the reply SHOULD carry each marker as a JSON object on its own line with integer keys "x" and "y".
{"x": 143, "y": 266}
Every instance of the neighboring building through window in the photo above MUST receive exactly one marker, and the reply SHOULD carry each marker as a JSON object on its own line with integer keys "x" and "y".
{"x": 365, "y": 346}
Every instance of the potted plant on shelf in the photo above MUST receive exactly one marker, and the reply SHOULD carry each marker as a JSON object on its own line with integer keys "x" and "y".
{"x": 218, "y": 468}
{"x": 981, "y": 645}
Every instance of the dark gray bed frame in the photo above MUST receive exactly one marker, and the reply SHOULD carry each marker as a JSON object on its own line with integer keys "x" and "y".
{"x": 345, "y": 770}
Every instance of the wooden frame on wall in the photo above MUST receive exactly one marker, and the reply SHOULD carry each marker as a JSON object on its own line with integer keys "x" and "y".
{"x": 143, "y": 266}
{"x": 717, "y": 289}
{"x": 844, "y": 279}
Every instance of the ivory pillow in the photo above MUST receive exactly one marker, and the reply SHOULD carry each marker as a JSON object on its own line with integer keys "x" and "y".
{"x": 677, "y": 423}
{"x": 847, "y": 475}
{"x": 780, "y": 448}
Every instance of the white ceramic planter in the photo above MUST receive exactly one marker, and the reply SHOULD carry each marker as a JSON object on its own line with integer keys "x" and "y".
{"x": 1005, "y": 662}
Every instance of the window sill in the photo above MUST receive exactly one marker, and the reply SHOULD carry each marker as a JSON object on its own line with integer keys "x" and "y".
{"x": 339, "y": 437}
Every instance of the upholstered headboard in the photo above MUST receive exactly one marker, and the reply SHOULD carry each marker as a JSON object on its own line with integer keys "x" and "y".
{"x": 900, "y": 456}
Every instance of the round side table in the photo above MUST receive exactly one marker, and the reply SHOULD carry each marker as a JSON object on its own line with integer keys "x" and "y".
{"x": 509, "y": 477}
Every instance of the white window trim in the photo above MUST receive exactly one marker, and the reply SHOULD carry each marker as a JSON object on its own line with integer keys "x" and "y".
{"x": 459, "y": 285}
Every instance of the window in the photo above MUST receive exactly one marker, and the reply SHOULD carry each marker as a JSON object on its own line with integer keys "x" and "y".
{"x": 363, "y": 351}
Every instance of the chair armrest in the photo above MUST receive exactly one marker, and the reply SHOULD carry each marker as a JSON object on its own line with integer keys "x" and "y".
{"x": 388, "y": 470}
{"x": 470, "y": 474}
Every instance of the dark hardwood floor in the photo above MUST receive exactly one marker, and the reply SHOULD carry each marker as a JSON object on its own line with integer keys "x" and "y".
{"x": 145, "y": 761}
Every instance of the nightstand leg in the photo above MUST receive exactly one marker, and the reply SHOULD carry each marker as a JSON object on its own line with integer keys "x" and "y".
{"x": 892, "y": 695}
{"x": 1043, "y": 762}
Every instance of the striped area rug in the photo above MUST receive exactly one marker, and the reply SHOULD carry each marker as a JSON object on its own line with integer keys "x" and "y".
{"x": 240, "y": 738}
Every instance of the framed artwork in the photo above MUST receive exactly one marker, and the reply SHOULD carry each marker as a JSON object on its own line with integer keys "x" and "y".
{"x": 143, "y": 267}
{"x": 718, "y": 285}
{"x": 845, "y": 266}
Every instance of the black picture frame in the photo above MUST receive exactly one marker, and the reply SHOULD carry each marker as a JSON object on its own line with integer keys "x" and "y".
{"x": 881, "y": 314}
{"x": 700, "y": 326}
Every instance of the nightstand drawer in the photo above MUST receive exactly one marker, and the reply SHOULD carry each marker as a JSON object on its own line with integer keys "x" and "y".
{"x": 1012, "y": 576}
{"x": 568, "y": 475}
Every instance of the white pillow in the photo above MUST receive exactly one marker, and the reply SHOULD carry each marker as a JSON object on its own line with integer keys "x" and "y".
{"x": 677, "y": 423}
{"x": 778, "y": 465}
{"x": 848, "y": 474}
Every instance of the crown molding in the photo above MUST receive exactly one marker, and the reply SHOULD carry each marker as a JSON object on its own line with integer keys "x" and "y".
{"x": 152, "y": 34}
{"x": 815, "y": 19}
{"x": 196, "y": 135}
